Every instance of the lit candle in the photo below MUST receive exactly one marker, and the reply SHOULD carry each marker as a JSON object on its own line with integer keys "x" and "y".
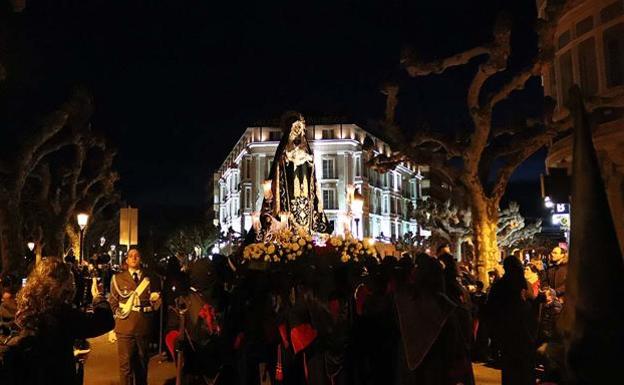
{"x": 266, "y": 187}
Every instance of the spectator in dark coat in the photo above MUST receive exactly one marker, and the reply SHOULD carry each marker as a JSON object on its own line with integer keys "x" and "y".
{"x": 512, "y": 324}
{"x": 557, "y": 270}
{"x": 46, "y": 316}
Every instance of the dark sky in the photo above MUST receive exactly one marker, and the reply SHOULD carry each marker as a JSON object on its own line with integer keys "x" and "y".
{"x": 177, "y": 82}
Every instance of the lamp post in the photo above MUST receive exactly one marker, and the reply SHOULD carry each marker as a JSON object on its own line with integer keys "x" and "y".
{"x": 356, "y": 209}
{"x": 82, "y": 219}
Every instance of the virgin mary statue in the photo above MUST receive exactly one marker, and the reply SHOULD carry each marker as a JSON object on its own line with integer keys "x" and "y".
{"x": 293, "y": 181}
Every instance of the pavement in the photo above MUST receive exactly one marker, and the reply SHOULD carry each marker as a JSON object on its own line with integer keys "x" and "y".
{"x": 102, "y": 367}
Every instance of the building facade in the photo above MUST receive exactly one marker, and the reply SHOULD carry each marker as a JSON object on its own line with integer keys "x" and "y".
{"x": 590, "y": 52}
{"x": 339, "y": 161}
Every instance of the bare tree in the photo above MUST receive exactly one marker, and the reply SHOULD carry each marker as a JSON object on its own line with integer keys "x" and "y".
{"x": 480, "y": 148}
{"x": 59, "y": 168}
{"x": 454, "y": 225}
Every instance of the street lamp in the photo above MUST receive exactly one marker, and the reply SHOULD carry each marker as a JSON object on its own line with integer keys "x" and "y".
{"x": 31, "y": 245}
{"x": 82, "y": 219}
{"x": 356, "y": 209}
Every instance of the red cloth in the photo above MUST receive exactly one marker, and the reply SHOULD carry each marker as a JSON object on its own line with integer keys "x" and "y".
{"x": 238, "y": 341}
{"x": 170, "y": 340}
{"x": 360, "y": 298}
{"x": 334, "y": 309}
{"x": 302, "y": 336}
{"x": 208, "y": 314}
{"x": 284, "y": 334}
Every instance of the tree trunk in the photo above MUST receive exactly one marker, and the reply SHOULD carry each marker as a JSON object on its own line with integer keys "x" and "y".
{"x": 11, "y": 244}
{"x": 458, "y": 248}
{"x": 74, "y": 238}
{"x": 484, "y": 222}
{"x": 54, "y": 240}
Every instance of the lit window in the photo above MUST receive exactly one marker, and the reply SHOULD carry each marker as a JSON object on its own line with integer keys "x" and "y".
{"x": 268, "y": 171}
{"x": 328, "y": 168}
{"x": 247, "y": 198}
{"x": 329, "y": 199}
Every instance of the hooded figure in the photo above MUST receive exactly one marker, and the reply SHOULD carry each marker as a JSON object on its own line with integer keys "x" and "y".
{"x": 593, "y": 316}
{"x": 293, "y": 178}
{"x": 433, "y": 348}
{"x": 513, "y": 324}
{"x": 206, "y": 351}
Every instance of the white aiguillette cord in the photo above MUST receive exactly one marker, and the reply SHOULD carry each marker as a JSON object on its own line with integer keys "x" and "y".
{"x": 127, "y": 307}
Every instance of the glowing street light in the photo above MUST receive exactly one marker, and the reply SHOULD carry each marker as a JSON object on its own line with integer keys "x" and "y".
{"x": 31, "y": 245}
{"x": 82, "y": 220}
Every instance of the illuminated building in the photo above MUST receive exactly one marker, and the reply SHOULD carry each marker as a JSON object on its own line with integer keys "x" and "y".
{"x": 590, "y": 52}
{"x": 338, "y": 158}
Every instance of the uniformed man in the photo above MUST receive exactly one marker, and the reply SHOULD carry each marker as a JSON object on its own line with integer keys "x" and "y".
{"x": 134, "y": 300}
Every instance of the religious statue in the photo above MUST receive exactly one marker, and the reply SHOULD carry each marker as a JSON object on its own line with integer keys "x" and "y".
{"x": 293, "y": 189}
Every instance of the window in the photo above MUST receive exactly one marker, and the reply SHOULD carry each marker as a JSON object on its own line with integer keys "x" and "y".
{"x": 391, "y": 178}
{"x": 584, "y": 26}
{"x": 268, "y": 171}
{"x": 275, "y": 136}
{"x": 247, "y": 167}
{"x": 614, "y": 54}
{"x": 328, "y": 133}
{"x": 358, "y": 166}
{"x": 612, "y": 11}
{"x": 329, "y": 199}
{"x": 587, "y": 67}
{"x": 553, "y": 81}
{"x": 247, "y": 198}
{"x": 563, "y": 39}
{"x": 328, "y": 168}
{"x": 565, "y": 72}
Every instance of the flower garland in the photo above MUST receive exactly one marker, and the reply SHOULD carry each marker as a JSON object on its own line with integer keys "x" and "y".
{"x": 288, "y": 246}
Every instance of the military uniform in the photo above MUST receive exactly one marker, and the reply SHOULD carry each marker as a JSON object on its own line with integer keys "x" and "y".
{"x": 134, "y": 331}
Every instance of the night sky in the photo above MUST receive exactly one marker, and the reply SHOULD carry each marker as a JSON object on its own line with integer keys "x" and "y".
{"x": 176, "y": 83}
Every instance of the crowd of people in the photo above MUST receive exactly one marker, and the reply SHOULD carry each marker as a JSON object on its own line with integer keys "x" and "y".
{"x": 419, "y": 319}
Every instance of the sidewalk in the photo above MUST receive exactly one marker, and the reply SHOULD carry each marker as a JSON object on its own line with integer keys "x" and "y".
{"x": 102, "y": 367}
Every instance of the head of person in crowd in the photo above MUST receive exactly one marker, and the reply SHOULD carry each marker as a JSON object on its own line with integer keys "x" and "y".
{"x": 444, "y": 248}
{"x": 202, "y": 276}
{"x": 479, "y": 287}
{"x": 514, "y": 272}
{"x": 493, "y": 276}
{"x": 429, "y": 276}
{"x": 530, "y": 273}
{"x": 49, "y": 287}
{"x": 133, "y": 259}
{"x": 558, "y": 256}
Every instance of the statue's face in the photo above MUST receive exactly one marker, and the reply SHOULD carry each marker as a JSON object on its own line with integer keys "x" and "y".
{"x": 297, "y": 131}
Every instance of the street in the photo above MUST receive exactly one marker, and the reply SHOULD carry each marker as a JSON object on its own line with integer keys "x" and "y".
{"x": 102, "y": 369}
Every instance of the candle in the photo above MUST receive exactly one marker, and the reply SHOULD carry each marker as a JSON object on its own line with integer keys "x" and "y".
{"x": 266, "y": 187}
